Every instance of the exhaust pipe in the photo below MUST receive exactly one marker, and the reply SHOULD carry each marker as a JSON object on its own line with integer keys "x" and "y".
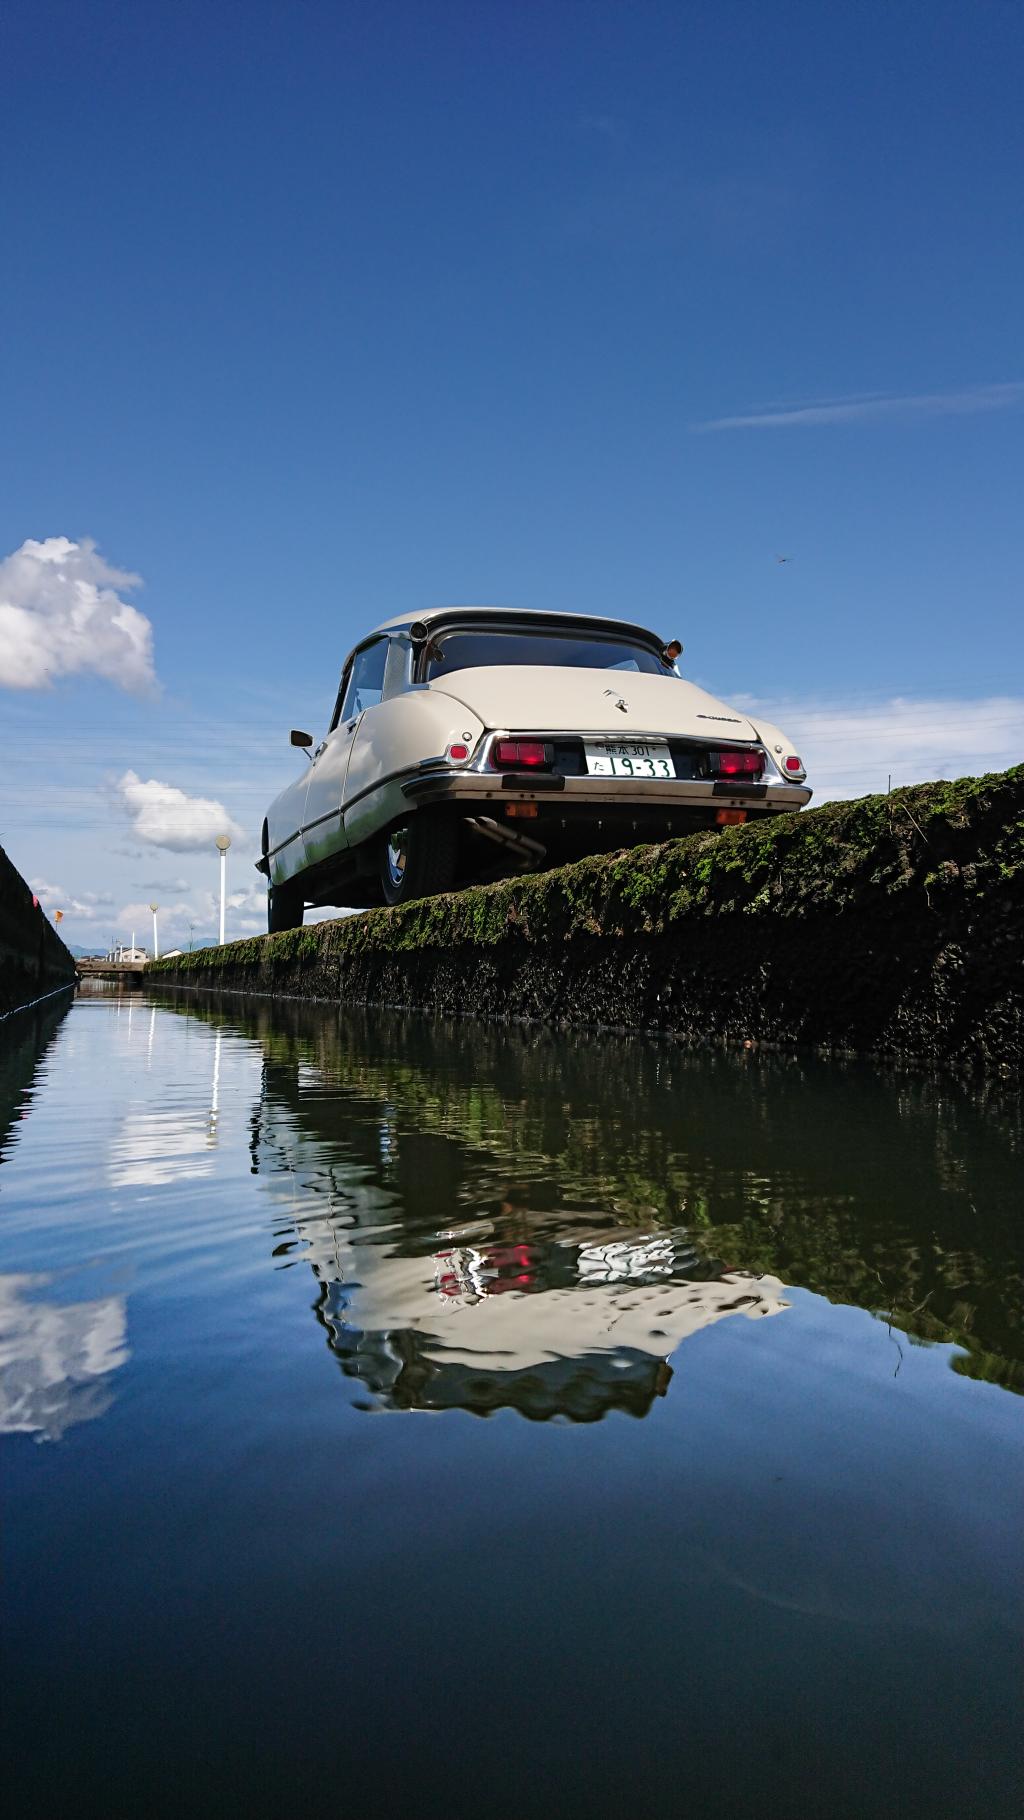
{"x": 531, "y": 852}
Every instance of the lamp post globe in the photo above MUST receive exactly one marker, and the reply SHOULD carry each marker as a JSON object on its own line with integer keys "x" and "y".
{"x": 223, "y": 843}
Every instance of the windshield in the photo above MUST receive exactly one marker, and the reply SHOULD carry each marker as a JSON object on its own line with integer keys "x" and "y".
{"x": 471, "y": 650}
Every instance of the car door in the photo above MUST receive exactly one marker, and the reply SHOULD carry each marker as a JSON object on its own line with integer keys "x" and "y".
{"x": 388, "y": 742}
{"x": 323, "y": 829}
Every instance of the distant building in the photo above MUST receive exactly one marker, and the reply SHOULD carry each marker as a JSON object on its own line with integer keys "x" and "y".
{"x": 123, "y": 952}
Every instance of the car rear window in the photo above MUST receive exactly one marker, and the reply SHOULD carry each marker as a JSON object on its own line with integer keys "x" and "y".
{"x": 470, "y": 650}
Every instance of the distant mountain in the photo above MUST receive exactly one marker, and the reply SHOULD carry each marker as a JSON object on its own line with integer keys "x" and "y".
{"x": 86, "y": 954}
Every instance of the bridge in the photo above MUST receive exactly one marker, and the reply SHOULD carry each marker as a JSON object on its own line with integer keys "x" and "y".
{"x": 126, "y": 972}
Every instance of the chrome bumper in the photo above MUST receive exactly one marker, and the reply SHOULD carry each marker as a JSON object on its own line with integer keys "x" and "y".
{"x": 458, "y": 785}
{"x": 474, "y": 781}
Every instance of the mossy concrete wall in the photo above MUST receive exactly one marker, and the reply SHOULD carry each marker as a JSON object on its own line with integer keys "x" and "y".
{"x": 33, "y": 960}
{"x": 893, "y": 925}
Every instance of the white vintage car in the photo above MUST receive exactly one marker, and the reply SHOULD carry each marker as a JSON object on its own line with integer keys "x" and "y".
{"x": 477, "y": 741}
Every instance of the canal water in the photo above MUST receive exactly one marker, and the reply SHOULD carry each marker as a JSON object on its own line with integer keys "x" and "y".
{"x": 458, "y": 1420}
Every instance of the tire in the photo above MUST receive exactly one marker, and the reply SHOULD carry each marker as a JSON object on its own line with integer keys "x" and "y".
{"x": 285, "y": 908}
{"x": 420, "y": 858}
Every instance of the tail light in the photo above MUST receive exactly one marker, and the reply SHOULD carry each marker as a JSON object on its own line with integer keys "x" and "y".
{"x": 521, "y": 755}
{"x": 795, "y": 765}
{"x": 748, "y": 763}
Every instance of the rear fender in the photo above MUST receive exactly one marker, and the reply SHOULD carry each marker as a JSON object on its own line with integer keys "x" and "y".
{"x": 392, "y": 741}
{"x": 780, "y": 746}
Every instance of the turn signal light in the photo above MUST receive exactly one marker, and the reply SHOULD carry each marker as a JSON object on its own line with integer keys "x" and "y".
{"x": 737, "y": 764}
{"x": 794, "y": 764}
{"x": 521, "y": 754}
{"x": 458, "y": 751}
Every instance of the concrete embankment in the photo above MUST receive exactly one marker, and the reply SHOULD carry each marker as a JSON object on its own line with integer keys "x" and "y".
{"x": 893, "y": 925}
{"x": 33, "y": 960}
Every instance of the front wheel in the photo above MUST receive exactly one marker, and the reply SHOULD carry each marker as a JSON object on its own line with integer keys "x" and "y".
{"x": 285, "y": 908}
{"x": 419, "y": 859}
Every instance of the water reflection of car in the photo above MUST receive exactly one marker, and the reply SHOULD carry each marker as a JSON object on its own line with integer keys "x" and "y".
{"x": 553, "y": 1328}
{"x": 478, "y": 742}
{"x": 389, "y": 1130}
{"x": 565, "y": 1311}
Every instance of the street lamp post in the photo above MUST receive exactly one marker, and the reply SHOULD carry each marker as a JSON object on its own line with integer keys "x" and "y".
{"x": 223, "y": 843}
{"x": 156, "y": 944}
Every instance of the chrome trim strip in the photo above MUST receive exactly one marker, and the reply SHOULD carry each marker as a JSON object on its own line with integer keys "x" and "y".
{"x": 642, "y": 793}
{"x": 282, "y": 844}
{"x": 392, "y": 777}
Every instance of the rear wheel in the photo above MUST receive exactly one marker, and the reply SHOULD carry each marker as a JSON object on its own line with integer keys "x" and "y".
{"x": 285, "y": 908}
{"x": 420, "y": 858}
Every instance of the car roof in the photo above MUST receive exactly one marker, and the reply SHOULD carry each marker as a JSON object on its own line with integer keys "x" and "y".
{"x": 535, "y": 616}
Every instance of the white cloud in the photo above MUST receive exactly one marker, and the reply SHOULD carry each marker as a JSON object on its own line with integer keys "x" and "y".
{"x": 177, "y": 925}
{"x": 164, "y": 816}
{"x": 863, "y": 408}
{"x": 198, "y": 920}
{"x": 252, "y": 900}
{"x": 61, "y": 614}
{"x": 87, "y": 904}
{"x": 246, "y": 912}
{"x": 851, "y": 749}
{"x": 171, "y": 886}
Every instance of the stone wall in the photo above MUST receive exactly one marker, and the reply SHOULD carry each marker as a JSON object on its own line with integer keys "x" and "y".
{"x": 893, "y": 925}
{"x": 33, "y": 959}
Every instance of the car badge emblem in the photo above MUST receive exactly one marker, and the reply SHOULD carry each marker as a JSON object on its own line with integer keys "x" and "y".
{"x": 619, "y": 703}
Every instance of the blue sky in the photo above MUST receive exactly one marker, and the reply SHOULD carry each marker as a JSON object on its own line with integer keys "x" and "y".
{"x": 316, "y": 313}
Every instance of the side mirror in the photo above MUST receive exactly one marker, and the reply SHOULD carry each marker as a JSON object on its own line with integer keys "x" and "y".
{"x": 301, "y": 739}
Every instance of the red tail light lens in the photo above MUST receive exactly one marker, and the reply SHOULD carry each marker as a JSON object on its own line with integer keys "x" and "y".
{"x": 794, "y": 764}
{"x": 521, "y": 754}
{"x": 737, "y": 764}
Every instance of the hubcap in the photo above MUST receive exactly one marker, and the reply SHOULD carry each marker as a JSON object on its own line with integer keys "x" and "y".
{"x": 398, "y": 851}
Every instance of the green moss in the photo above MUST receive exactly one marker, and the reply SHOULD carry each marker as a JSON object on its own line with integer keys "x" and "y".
{"x": 928, "y": 839}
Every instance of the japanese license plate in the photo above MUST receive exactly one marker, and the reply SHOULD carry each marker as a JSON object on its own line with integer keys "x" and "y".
{"x": 629, "y": 758}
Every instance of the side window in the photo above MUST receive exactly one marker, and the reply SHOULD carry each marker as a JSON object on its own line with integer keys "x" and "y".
{"x": 398, "y": 671}
{"x": 366, "y": 681}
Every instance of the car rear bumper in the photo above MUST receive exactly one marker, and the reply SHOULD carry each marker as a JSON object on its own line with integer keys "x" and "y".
{"x": 473, "y": 789}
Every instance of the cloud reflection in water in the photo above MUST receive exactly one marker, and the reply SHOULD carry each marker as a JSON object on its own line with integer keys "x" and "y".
{"x": 56, "y": 1358}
